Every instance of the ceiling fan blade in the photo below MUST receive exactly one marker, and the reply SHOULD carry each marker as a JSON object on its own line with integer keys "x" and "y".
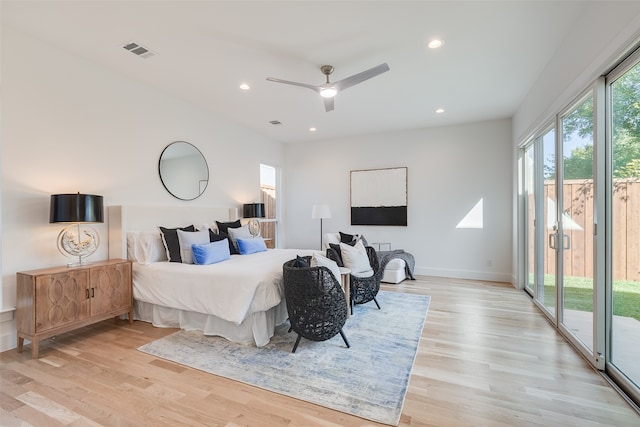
{"x": 328, "y": 104}
{"x": 360, "y": 77}
{"x": 312, "y": 87}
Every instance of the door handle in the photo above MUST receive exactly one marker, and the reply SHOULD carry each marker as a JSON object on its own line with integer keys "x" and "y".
{"x": 552, "y": 240}
{"x": 566, "y": 241}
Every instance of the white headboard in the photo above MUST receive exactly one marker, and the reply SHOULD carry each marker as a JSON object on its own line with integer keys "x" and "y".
{"x": 123, "y": 219}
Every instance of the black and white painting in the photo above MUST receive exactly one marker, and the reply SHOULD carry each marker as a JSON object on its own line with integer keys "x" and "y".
{"x": 379, "y": 197}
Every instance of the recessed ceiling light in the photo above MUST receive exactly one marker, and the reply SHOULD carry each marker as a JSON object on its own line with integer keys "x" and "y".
{"x": 435, "y": 43}
{"x": 312, "y": 129}
{"x": 245, "y": 86}
{"x": 440, "y": 110}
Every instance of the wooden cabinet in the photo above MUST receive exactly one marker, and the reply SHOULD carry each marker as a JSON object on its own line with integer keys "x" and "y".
{"x": 56, "y": 300}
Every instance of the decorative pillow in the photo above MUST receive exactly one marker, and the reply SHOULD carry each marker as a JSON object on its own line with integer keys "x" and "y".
{"x": 239, "y": 233}
{"x": 319, "y": 260}
{"x": 223, "y": 227}
{"x": 171, "y": 244}
{"x": 233, "y": 250}
{"x": 355, "y": 258}
{"x": 145, "y": 247}
{"x": 301, "y": 262}
{"x": 215, "y": 237}
{"x": 347, "y": 238}
{"x": 329, "y": 238}
{"x": 336, "y": 247}
{"x": 351, "y": 239}
{"x": 189, "y": 238}
{"x": 251, "y": 246}
{"x": 210, "y": 253}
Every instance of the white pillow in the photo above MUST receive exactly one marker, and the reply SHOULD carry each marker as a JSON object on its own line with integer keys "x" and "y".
{"x": 145, "y": 247}
{"x": 319, "y": 260}
{"x": 188, "y": 238}
{"x": 330, "y": 238}
{"x": 239, "y": 233}
{"x": 355, "y": 258}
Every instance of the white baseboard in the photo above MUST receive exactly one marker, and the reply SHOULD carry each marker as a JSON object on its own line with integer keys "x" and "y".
{"x": 465, "y": 274}
{"x": 8, "y": 331}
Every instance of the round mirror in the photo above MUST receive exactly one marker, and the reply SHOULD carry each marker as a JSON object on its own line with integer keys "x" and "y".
{"x": 183, "y": 170}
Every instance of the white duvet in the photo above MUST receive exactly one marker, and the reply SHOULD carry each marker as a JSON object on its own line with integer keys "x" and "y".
{"x": 231, "y": 290}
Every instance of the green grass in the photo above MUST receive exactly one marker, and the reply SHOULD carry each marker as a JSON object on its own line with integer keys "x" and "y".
{"x": 578, "y": 295}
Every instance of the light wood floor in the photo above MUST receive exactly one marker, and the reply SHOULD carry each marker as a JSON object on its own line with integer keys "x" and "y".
{"x": 487, "y": 358}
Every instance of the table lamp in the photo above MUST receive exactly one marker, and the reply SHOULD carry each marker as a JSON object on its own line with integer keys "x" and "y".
{"x": 253, "y": 211}
{"x": 77, "y": 239}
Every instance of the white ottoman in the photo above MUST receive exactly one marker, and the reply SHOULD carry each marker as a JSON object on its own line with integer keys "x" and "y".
{"x": 394, "y": 272}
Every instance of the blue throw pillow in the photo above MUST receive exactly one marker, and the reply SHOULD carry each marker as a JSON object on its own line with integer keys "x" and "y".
{"x": 210, "y": 253}
{"x": 251, "y": 246}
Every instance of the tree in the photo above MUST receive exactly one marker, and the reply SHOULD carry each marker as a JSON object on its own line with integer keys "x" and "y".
{"x": 625, "y": 101}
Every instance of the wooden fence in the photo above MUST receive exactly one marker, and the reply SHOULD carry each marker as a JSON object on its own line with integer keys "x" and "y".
{"x": 268, "y": 228}
{"x": 578, "y": 223}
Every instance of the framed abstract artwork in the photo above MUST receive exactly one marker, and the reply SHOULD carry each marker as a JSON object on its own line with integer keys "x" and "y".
{"x": 379, "y": 197}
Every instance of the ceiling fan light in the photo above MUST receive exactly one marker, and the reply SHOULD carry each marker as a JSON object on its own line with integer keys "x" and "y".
{"x": 328, "y": 92}
{"x": 435, "y": 43}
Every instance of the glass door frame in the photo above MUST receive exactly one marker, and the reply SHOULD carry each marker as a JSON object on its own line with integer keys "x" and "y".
{"x": 540, "y": 234}
{"x": 611, "y": 370}
{"x": 595, "y": 354}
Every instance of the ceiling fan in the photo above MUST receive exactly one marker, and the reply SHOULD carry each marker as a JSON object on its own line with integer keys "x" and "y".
{"x": 329, "y": 90}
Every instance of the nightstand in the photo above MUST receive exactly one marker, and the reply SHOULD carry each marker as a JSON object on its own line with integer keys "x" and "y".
{"x": 55, "y": 300}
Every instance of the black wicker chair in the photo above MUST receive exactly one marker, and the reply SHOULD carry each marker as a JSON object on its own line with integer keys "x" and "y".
{"x": 363, "y": 289}
{"x": 315, "y": 301}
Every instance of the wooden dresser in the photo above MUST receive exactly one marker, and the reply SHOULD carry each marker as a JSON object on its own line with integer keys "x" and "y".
{"x": 55, "y": 300}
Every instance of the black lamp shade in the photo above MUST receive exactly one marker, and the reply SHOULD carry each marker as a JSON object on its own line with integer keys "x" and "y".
{"x": 253, "y": 210}
{"x": 76, "y": 208}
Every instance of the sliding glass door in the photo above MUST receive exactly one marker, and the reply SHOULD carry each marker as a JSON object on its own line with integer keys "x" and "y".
{"x": 581, "y": 223}
{"x": 624, "y": 204}
{"x": 576, "y": 210}
{"x": 539, "y": 168}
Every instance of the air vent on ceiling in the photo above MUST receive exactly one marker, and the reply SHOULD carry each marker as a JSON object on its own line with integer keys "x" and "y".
{"x": 275, "y": 122}
{"x": 139, "y": 50}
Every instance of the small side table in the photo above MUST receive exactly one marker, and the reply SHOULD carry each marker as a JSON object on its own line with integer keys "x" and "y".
{"x": 345, "y": 278}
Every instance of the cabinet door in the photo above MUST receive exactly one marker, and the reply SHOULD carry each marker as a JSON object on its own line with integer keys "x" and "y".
{"x": 61, "y": 299}
{"x": 110, "y": 288}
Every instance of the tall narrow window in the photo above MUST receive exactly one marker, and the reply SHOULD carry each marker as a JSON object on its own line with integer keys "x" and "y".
{"x": 268, "y": 196}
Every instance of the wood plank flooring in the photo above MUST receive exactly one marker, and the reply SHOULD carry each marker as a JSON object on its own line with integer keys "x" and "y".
{"x": 487, "y": 357}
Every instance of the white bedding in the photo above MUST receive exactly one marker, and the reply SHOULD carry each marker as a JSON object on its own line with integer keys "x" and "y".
{"x": 241, "y": 299}
{"x": 231, "y": 290}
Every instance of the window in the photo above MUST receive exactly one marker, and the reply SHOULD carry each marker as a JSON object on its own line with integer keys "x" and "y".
{"x": 268, "y": 196}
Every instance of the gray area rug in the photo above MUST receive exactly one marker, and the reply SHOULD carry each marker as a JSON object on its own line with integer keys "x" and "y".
{"x": 368, "y": 380}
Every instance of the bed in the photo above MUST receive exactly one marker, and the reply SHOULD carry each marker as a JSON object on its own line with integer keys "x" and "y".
{"x": 240, "y": 299}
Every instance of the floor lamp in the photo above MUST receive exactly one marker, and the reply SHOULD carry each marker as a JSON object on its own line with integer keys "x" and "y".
{"x": 321, "y": 212}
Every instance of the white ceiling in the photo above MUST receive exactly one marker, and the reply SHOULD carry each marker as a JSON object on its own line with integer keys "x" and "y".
{"x": 493, "y": 54}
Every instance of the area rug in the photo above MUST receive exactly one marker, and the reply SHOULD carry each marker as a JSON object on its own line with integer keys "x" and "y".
{"x": 368, "y": 380}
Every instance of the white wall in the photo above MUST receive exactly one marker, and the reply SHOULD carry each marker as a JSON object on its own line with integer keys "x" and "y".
{"x": 70, "y": 125}
{"x": 449, "y": 170}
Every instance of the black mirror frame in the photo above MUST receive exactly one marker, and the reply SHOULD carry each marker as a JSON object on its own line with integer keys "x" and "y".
{"x": 200, "y": 183}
